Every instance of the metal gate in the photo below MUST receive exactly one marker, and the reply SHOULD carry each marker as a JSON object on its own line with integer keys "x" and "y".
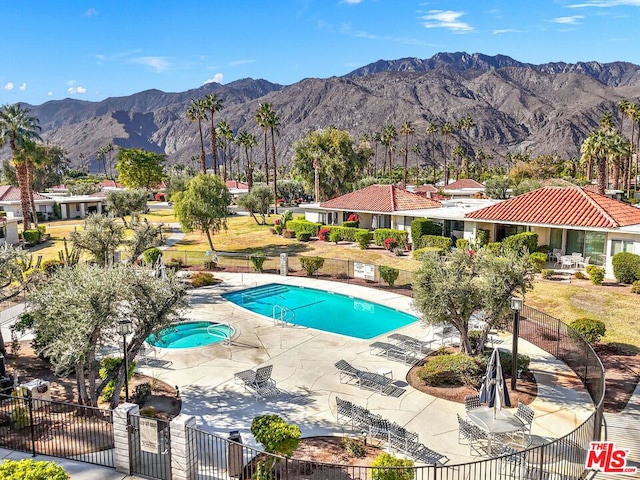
{"x": 150, "y": 447}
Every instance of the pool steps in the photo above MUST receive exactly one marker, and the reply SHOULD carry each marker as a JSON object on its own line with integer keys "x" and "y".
{"x": 264, "y": 292}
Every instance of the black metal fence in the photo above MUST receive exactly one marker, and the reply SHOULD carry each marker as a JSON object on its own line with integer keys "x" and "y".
{"x": 58, "y": 429}
{"x": 149, "y": 447}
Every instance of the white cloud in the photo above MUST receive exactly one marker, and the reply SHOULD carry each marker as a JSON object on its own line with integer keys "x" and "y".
{"x": 606, "y": 3}
{"x": 236, "y": 63}
{"x": 217, "y": 78}
{"x": 352, "y": 2}
{"x": 159, "y": 64}
{"x": 49, "y": 93}
{"x": 92, "y": 12}
{"x": 23, "y": 87}
{"x": 572, "y": 20}
{"x": 79, "y": 90}
{"x": 446, "y": 19}
{"x": 9, "y": 86}
{"x": 505, "y": 30}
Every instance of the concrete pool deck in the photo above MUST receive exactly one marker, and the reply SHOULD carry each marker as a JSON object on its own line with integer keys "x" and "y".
{"x": 303, "y": 366}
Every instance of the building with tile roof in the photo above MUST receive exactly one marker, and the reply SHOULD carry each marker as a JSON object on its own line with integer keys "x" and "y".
{"x": 377, "y": 206}
{"x": 464, "y": 188}
{"x": 569, "y": 219}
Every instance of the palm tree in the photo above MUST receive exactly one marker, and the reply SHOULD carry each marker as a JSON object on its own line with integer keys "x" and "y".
{"x": 432, "y": 131}
{"x": 389, "y": 135}
{"x": 223, "y": 130}
{"x": 247, "y": 141}
{"x": 377, "y": 139}
{"x": 406, "y": 129}
{"x": 18, "y": 127}
{"x": 264, "y": 110}
{"x": 213, "y": 104}
{"x": 416, "y": 150}
{"x": 446, "y": 130}
{"x": 620, "y": 149}
{"x": 467, "y": 125}
{"x": 197, "y": 112}
{"x": 597, "y": 147}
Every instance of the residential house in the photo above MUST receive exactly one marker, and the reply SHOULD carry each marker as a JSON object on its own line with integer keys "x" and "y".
{"x": 464, "y": 188}
{"x": 570, "y": 219}
{"x": 10, "y": 202}
{"x": 237, "y": 188}
{"x": 377, "y": 206}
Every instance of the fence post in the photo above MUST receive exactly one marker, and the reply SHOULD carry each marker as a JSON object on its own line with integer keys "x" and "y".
{"x": 32, "y": 427}
{"x": 121, "y": 437}
{"x": 184, "y": 460}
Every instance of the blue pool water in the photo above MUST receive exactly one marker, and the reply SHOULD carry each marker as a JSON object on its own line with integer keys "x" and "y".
{"x": 322, "y": 310}
{"x": 190, "y": 334}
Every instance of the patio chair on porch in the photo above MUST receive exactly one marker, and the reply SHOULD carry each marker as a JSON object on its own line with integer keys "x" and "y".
{"x": 583, "y": 263}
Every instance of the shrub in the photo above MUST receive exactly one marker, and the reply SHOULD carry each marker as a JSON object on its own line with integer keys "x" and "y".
{"x": 31, "y": 236}
{"x": 462, "y": 244}
{"x": 348, "y": 234}
{"x": 579, "y": 275}
{"x": 287, "y": 216}
{"x": 354, "y": 217}
{"x": 257, "y": 260}
{"x": 286, "y": 233}
{"x": 482, "y": 237}
{"x": 203, "y": 279}
{"x": 351, "y": 224}
{"x": 141, "y": 393}
{"x": 635, "y": 287}
{"x": 354, "y": 447}
{"x": 51, "y": 266}
{"x": 386, "y": 468}
{"x": 108, "y": 367}
{"x": 29, "y": 469}
{"x": 454, "y": 370}
{"x": 303, "y": 236}
{"x": 276, "y": 435}
{"x": 423, "y": 226}
{"x": 592, "y": 330}
{"x": 390, "y": 243}
{"x": 149, "y": 412}
{"x": 494, "y": 248}
{"x": 546, "y": 273}
{"x": 159, "y": 197}
{"x": 323, "y": 234}
{"x": 278, "y": 229}
{"x": 335, "y": 235}
{"x": 209, "y": 264}
{"x": 363, "y": 239}
{"x": 304, "y": 226}
{"x": 418, "y": 254}
{"x": 596, "y": 274}
{"x": 626, "y": 267}
{"x": 389, "y": 274}
{"x": 543, "y": 249}
{"x": 151, "y": 255}
{"x": 521, "y": 241}
{"x": 176, "y": 261}
{"x": 443, "y": 243}
{"x": 311, "y": 264}
{"x": 381, "y": 234}
{"x": 20, "y": 417}
{"x": 506, "y": 359}
{"x": 538, "y": 261}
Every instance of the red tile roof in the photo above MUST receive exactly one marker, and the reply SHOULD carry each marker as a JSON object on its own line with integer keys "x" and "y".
{"x": 9, "y": 193}
{"x": 380, "y": 198}
{"x": 426, "y": 189}
{"x": 109, "y": 184}
{"x": 462, "y": 184}
{"x": 238, "y": 185}
{"x": 572, "y": 206}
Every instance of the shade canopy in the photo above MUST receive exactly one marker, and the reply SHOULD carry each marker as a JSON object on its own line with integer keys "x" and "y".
{"x": 493, "y": 391}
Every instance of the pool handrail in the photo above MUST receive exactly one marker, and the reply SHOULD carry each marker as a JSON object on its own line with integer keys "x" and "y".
{"x": 279, "y": 314}
{"x": 226, "y": 339}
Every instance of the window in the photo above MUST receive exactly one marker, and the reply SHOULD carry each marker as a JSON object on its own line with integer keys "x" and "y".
{"x": 618, "y": 246}
{"x": 504, "y": 231}
{"x": 555, "y": 239}
{"x": 3, "y": 232}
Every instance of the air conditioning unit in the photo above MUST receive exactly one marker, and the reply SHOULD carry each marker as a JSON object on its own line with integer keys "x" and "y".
{"x": 36, "y": 389}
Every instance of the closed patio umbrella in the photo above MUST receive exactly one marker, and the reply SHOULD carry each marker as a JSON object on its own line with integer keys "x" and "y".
{"x": 493, "y": 391}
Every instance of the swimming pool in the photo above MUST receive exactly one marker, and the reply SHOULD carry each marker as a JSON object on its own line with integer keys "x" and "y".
{"x": 191, "y": 334}
{"x": 331, "y": 312}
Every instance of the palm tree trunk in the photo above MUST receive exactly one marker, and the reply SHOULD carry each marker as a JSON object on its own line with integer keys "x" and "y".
{"x": 214, "y": 147}
{"x": 602, "y": 175}
{"x": 32, "y": 203}
{"x": 275, "y": 175}
{"x": 203, "y": 155}
{"x": 25, "y": 204}
{"x": 266, "y": 159}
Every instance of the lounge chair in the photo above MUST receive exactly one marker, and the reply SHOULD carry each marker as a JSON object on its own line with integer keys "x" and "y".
{"x": 258, "y": 381}
{"x": 422, "y": 347}
{"x": 367, "y": 380}
{"x": 393, "y": 352}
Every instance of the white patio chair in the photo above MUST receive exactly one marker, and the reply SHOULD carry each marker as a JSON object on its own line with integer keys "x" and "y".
{"x": 583, "y": 262}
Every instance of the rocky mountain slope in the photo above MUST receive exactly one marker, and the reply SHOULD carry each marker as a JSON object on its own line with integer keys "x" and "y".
{"x": 516, "y": 107}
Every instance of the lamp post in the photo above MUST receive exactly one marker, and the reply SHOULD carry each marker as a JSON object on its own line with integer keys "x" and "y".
{"x": 124, "y": 329}
{"x": 516, "y": 306}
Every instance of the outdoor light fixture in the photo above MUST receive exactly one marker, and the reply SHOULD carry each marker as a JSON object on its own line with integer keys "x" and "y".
{"x": 364, "y": 434}
{"x": 516, "y": 306}
{"x": 124, "y": 329}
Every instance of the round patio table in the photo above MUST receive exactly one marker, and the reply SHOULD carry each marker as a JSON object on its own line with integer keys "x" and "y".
{"x": 495, "y": 423}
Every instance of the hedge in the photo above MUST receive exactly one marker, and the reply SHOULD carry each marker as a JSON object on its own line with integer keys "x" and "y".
{"x": 596, "y": 274}
{"x": 31, "y": 236}
{"x": 538, "y": 261}
{"x": 423, "y": 226}
{"x": 381, "y": 234}
{"x": 494, "y": 248}
{"x": 443, "y": 243}
{"x": 348, "y": 224}
{"x": 363, "y": 239}
{"x": 388, "y": 274}
{"x": 418, "y": 254}
{"x": 462, "y": 244}
{"x": 311, "y": 264}
{"x": 626, "y": 267}
{"x": 482, "y": 237}
{"x": 518, "y": 242}
{"x": 592, "y": 330}
{"x": 304, "y": 226}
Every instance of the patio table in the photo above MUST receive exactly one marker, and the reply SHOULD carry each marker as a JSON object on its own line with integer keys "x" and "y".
{"x": 500, "y": 423}
{"x": 570, "y": 260}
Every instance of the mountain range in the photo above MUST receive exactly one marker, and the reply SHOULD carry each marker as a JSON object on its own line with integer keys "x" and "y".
{"x": 516, "y": 107}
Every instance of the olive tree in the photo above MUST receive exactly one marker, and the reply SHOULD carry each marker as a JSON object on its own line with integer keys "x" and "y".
{"x": 203, "y": 205}
{"x": 14, "y": 262}
{"x": 100, "y": 236}
{"x": 450, "y": 288}
{"x": 145, "y": 235}
{"x": 258, "y": 200}
{"x": 121, "y": 203}
{"x": 78, "y": 310}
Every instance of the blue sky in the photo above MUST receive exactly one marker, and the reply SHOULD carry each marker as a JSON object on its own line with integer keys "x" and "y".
{"x": 92, "y": 50}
